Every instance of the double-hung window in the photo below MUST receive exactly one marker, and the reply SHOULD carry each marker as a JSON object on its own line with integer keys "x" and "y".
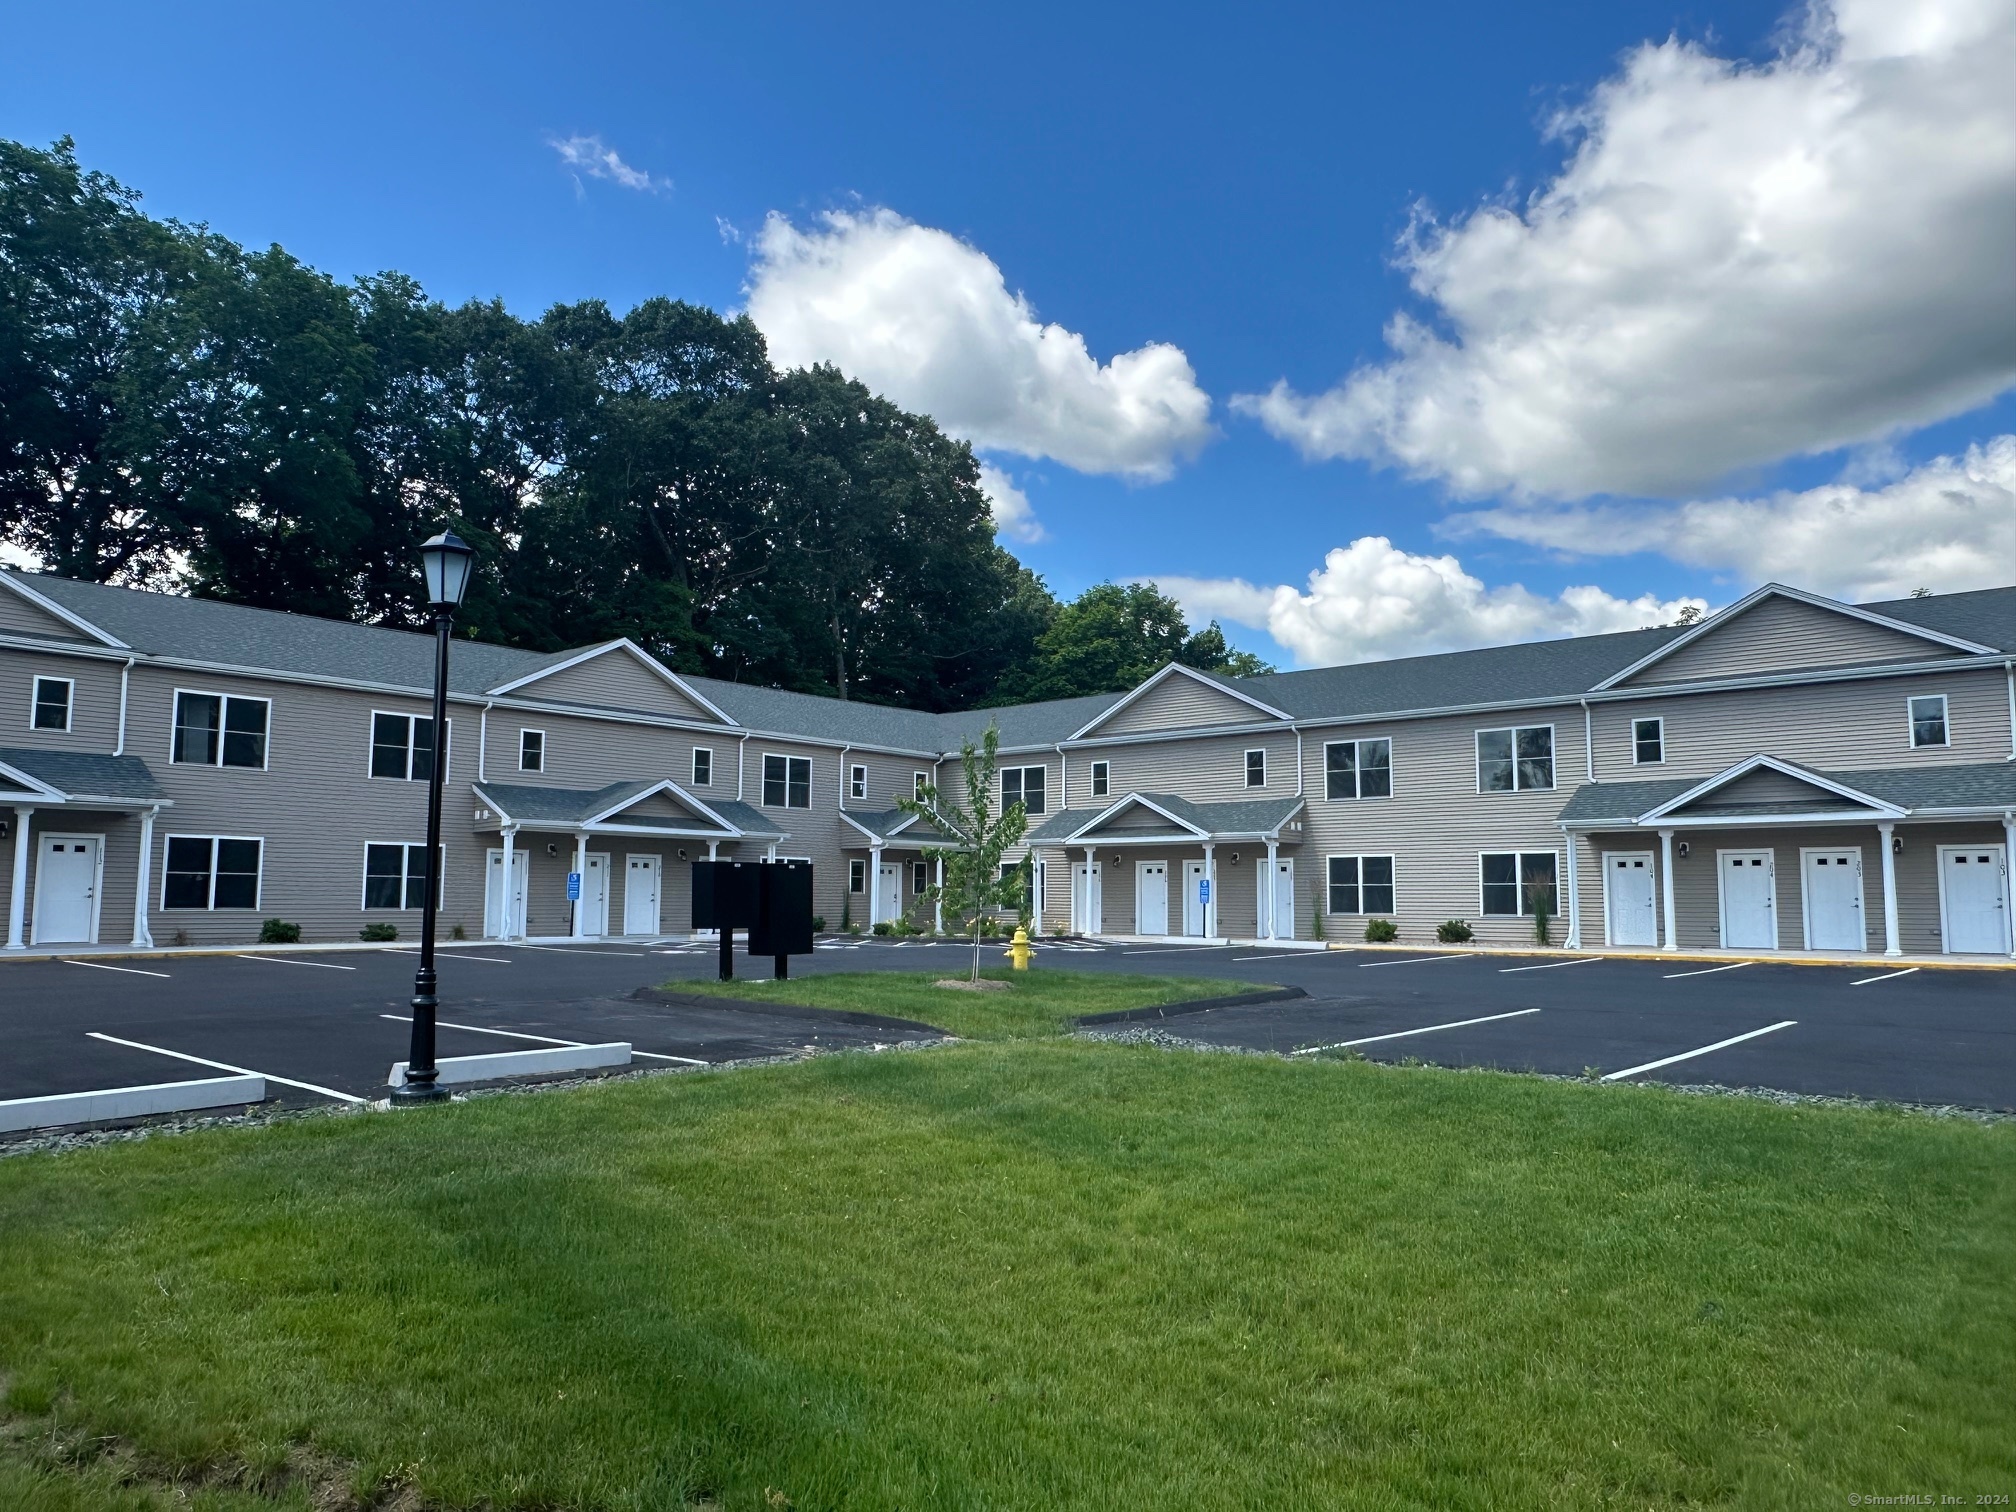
{"x": 1023, "y": 785}
{"x": 1928, "y": 721}
{"x": 213, "y": 729}
{"x": 531, "y": 750}
{"x": 395, "y": 875}
{"x": 1515, "y": 760}
{"x": 1358, "y": 769}
{"x": 920, "y": 878}
{"x": 787, "y": 782}
{"x": 1102, "y": 778}
{"x": 51, "y": 709}
{"x": 1513, "y": 882}
{"x": 857, "y": 782}
{"x": 402, "y": 746}
{"x": 857, "y": 875}
{"x": 1648, "y": 741}
{"x": 211, "y": 871}
{"x": 1361, "y": 884}
{"x": 918, "y": 782}
{"x": 1256, "y": 768}
{"x": 703, "y": 767}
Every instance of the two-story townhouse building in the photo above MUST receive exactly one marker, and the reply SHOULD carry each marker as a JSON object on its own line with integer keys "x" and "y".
{"x": 1792, "y": 773}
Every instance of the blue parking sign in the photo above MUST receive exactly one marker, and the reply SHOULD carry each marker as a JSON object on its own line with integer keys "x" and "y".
{"x": 1203, "y": 889}
{"x": 573, "y": 887}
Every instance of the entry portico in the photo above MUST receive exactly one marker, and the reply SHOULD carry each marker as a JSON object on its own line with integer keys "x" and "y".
{"x": 66, "y": 808}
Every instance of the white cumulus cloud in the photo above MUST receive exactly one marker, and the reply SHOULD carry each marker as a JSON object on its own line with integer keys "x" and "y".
{"x": 929, "y": 321}
{"x": 1014, "y": 517}
{"x": 592, "y": 156}
{"x": 1371, "y": 600}
{"x": 1949, "y": 525}
{"x": 1738, "y": 263}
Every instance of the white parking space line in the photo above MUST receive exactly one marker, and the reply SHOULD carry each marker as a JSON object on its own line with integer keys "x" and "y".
{"x": 1373, "y": 1039}
{"x": 544, "y": 1039}
{"x": 1459, "y": 955}
{"x": 129, "y": 970}
{"x": 1734, "y": 1039}
{"x": 459, "y": 955}
{"x": 113, "y": 1039}
{"x": 1548, "y": 965}
{"x": 280, "y": 961}
{"x": 578, "y": 950}
{"x": 1674, "y": 976}
{"x": 1888, "y": 976}
{"x": 1171, "y": 949}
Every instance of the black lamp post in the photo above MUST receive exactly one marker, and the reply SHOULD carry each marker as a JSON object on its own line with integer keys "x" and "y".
{"x": 446, "y": 559}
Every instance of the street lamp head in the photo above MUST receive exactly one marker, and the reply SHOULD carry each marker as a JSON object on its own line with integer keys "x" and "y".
{"x": 446, "y": 559}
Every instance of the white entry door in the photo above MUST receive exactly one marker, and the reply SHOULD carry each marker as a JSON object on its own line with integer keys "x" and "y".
{"x": 594, "y": 900}
{"x": 1151, "y": 897}
{"x": 498, "y": 896}
{"x": 889, "y": 891}
{"x": 643, "y": 878}
{"x": 1085, "y": 902}
{"x": 1973, "y": 899}
{"x": 1748, "y": 885}
{"x": 1833, "y": 890}
{"x": 68, "y": 872}
{"x": 1630, "y": 906}
{"x": 1193, "y": 897}
{"x": 1284, "y": 899}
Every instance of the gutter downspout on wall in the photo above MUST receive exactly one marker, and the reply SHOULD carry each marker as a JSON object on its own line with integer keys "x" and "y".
{"x": 125, "y": 672}
{"x": 846, "y": 777}
{"x": 738, "y": 766}
{"x": 1588, "y": 740}
{"x": 483, "y": 745}
{"x": 1298, "y": 767}
{"x": 2009, "y": 671}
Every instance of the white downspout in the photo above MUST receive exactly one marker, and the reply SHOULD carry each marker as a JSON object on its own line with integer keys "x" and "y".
{"x": 483, "y": 745}
{"x": 1588, "y": 740}
{"x": 119, "y": 749}
{"x": 2009, "y": 671}
{"x": 738, "y": 767}
{"x": 1298, "y": 761}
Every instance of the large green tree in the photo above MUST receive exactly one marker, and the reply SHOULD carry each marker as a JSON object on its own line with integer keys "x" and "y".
{"x": 1111, "y": 637}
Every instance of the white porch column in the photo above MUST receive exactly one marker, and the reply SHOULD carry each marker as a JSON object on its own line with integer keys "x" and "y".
{"x": 1666, "y": 889}
{"x": 507, "y": 902}
{"x": 580, "y": 930}
{"x": 1574, "y": 941}
{"x": 1272, "y": 929}
{"x": 938, "y": 903}
{"x": 2009, "y": 878}
{"x": 143, "y": 936}
{"x": 713, "y": 850}
{"x": 1036, "y": 880}
{"x": 1093, "y": 911}
{"x": 1211, "y": 903}
{"x": 1890, "y": 945}
{"x": 874, "y": 887}
{"x": 17, "y": 895}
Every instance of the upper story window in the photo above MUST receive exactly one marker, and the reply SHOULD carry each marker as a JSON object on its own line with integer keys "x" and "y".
{"x": 787, "y": 782}
{"x": 918, "y": 782}
{"x": 212, "y": 729}
{"x": 1358, "y": 769}
{"x": 1023, "y": 785}
{"x": 1102, "y": 779}
{"x": 402, "y": 746}
{"x": 53, "y": 696}
{"x": 703, "y": 766}
{"x": 1256, "y": 769}
{"x": 1928, "y": 721}
{"x": 1515, "y": 760}
{"x": 1648, "y": 741}
{"x": 857, "y": 782}
{"x": 531, "y": 750}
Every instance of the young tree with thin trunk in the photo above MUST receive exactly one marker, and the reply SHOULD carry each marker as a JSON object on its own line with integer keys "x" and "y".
{"x": 974, "y": 885}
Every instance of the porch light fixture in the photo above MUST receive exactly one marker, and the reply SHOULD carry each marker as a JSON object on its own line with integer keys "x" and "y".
{"x": 1896, "y": 845}
{"x": 1681, "y": 848}
{"x": 446, "y": 561}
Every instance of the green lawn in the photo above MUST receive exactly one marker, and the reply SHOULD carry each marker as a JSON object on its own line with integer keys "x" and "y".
{"x": 1030, "y": 1275}
{"x": 1036, "y": 1002}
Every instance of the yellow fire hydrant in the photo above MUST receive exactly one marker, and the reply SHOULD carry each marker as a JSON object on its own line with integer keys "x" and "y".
{"x": 1018, "y": 949}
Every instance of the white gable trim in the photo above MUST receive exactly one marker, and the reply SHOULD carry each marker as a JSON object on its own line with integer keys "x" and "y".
{"x": 1174, "y": 669}
{"x": 1778, "y": 590}
{"x": 666, "y": 786}
{"x": 42, "y": 601}
{"x": 1877, "y": 807}
{"x": 649, "y": 661}
{"x": 1131, "y": 800}
{"x": 29, "y": 784}
{"x": 895, "y": 829}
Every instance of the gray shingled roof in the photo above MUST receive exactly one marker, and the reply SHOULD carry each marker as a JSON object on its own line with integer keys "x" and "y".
{"x": 1252, "y": 816}
{"x": 81, "y": 774}
{"x": 883, "y": 824}
{"x": 1972, "y": 785}
{"x": 527, "y": 804}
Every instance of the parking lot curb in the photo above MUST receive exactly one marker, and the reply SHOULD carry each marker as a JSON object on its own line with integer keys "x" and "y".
{"x": 1196, "y": 1005}
{"x": 783, "y": 1010}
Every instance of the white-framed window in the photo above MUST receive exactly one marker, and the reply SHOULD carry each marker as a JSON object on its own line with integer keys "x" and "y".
{"x": 1358, "y": 769}
{"x": 787, "y": 781}
{"x": 920, "y": 878}
{"x": 1928, "y": 721}
{"x": 395, "y": 874}
{"x": 918, "y": 782}
{"x": 1648, "y": 741}
{"x": 50, "y": 707}
{"x": 531, "y": 750}
{"x": 1515, "y": 760}
{"x": 1360, "y": 884}
{"x": 220, "y": 729}
{"x": 703, "y": 767}
{"x": 857, "y": 875}
{"x": 1023, "y": 785}
{"x": 1102, "y": 779}
{"x": 1509, "y": 882}
{"x": 212, "y": 871}
{"x": 1256, "y": 768}
{"x": 857, "y": 782}
{"x": 402, "y": 746}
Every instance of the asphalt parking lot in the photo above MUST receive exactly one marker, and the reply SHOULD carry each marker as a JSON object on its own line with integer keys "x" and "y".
{"x": 327, "y": 1026}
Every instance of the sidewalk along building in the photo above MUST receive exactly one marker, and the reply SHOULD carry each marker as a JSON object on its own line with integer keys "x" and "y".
{"x": 1790, "y": 774}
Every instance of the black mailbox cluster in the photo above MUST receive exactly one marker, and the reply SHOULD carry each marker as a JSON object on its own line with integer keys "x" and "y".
{"x": 772, "y": 900}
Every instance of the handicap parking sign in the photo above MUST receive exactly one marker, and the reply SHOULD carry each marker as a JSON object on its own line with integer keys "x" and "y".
{"x": 573, "y": 887}
{"x": 1203, "y": 889}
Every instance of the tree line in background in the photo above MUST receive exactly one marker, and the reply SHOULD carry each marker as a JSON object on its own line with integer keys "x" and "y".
{"x": 179, "y": 412}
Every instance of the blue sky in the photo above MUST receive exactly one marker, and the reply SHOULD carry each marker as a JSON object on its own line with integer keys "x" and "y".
{"x": 1233, "y": 185}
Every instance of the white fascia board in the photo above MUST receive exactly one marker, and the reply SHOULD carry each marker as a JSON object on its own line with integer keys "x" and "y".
{"x": 1823, "y": 818}
{"x": 491, "y": 803}
{"x": 622, "y": 643}
{"x": 1804, "y": 678}
{"x": 41, "y": 601}
{"x": 16, "y": 641}
{"x": 1132, "y": 800}
{"x": 1174, "y": 669}
{"x": 665, "y": 785}
{"x": 1198, "y": 732}
{"x": 34, "y": 785}
{"x": 1777, "y": 764}
{"x": 889, "y": 834}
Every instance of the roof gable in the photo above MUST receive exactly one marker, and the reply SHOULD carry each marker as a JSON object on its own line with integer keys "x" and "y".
{"x": 24, "y": 611}
{"x": 1136, "y": 814}
{"x": 1180, "y": 698}
{"x": 1763, "y": 786}
{"x": 618, "y": 675}
{"x": 1778, "y": 629}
